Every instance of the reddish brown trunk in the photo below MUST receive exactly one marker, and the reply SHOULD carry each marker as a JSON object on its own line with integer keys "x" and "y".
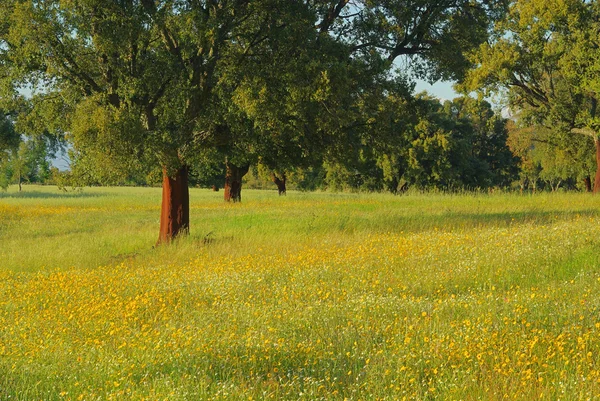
{"x": 587, "y": 181}
{"x": 175, "y": 209}
{"x": 597, "y": 180}
{"x": 280, "y": 182}
{"x": 233, "y": 181}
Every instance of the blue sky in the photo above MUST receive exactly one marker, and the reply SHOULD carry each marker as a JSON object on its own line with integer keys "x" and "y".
{"x": 442, "y": 90}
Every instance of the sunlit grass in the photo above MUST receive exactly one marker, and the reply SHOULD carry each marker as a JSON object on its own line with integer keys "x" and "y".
{"x": 309, "y": 296}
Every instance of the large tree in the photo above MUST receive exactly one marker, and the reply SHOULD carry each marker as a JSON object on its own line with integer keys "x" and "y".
{"x": 151, "y": 81}
{"x": 141, "y": 77}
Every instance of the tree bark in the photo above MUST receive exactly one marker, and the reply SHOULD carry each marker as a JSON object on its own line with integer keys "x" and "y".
{"x": 587, "y": 182}
{"x": 233, "y": 181}
{"x": 280, "y": 182}
{"x": 175, "y": 209}
{"x": 597, "y": 179}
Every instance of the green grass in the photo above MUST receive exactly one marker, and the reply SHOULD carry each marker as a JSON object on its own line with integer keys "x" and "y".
{"x": 308, "y": 296}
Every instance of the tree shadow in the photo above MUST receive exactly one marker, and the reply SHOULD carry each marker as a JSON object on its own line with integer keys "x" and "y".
{"x": 458, "y": 220}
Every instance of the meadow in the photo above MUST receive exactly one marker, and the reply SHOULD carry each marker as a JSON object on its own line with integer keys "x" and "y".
{"x": 312, "y": 296}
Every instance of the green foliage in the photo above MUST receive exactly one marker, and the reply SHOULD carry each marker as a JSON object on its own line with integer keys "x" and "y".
{"x": 141, "y": 82}
{"x": 9, "y": 142}
{"x": 9, "y": 138}
{"x": 208, "y": 169}
{"x": 545, "y": 57}
{"x": 23, "y": 160}
{"x": 551, "y": 157}
{"x": 145, "y": 83}
{"x": 418, "y": 142}
{"x": 29, "y": 162}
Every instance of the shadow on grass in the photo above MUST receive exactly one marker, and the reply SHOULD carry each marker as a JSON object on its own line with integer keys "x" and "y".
{"x": 448, "y": 220}
{"x": 507, "y": 218}
{"x": 49, "y": 195}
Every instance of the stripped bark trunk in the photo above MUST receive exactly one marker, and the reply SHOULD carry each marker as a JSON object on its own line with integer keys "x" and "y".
{"x": 233, "y": 181}
{"x": 280, "y": 182}
{"x": 175, "y": 209}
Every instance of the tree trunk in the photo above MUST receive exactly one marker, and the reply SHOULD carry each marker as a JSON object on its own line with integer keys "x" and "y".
{"x": 280, "y": 182}
{"x": 524, "y": 184}
{"x": 557, "y": 186}
{"x": 233, "y": 181}
{"x": 175, "y": 209}
{"x": 597, "y": 180}
{"x": 587, "y": 181}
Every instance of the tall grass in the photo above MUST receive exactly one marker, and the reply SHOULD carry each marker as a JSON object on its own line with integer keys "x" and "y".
{"x": 309, "y": 296}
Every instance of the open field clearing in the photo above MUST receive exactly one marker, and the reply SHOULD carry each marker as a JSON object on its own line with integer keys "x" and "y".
{"x": 304, "y": 297}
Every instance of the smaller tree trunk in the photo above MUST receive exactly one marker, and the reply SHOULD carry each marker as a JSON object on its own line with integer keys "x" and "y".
{"x": 587, "y": 182}
{"x": 523, "y": 184}
{"x": 557, "y": 186}
{"x": 597, "y": 179}
{"x": 175, "y": 209}
{"x": 280, "y": 182}
{"x": 233, "y": 181}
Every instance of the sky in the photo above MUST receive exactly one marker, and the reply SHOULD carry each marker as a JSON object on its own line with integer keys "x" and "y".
{"x": 442, "y": 89}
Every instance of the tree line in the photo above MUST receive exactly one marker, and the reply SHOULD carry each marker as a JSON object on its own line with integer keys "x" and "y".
{"x": 317, "y": 93}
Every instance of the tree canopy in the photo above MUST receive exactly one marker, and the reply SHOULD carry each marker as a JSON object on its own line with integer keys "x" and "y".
{"x": 544, "y": 54}
{"x": 135, "y": 83}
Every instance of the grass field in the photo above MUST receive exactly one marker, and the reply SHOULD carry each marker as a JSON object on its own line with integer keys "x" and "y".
{"x": 304, "y": 297}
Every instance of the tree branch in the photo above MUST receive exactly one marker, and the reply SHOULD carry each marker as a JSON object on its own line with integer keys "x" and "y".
{"x": 333, "y": 13}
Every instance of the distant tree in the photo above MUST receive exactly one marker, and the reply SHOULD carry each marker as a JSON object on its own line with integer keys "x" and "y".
{"x": 28, "y": 162}
{"x": 9, "y": 138}
{"x": 19, "y": 164}
{"x": 545, "y": 57}
{"x": 458, "y": 144}
{"x": 557, "y": 158}
{"x": 9, "y": 143}
{"x": 484, "y": 159}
